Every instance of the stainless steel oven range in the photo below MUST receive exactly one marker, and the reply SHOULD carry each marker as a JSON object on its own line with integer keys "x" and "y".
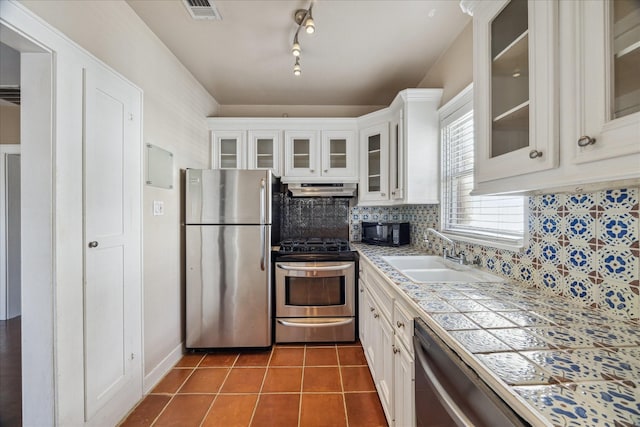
{"x": 315, "y": 291}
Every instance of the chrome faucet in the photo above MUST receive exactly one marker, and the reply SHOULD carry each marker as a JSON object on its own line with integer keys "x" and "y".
{"x": 452, "y": 255}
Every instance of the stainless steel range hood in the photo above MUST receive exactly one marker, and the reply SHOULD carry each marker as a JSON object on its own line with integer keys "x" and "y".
{"x": 323, "y": 190}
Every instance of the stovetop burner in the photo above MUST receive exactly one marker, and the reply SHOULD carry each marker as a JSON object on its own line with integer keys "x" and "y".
{"x": 314, "y": 245}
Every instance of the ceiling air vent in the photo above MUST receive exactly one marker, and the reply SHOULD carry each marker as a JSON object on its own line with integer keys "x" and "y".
{"x": 202, "y": 9}
{"x": 10, "y": 94}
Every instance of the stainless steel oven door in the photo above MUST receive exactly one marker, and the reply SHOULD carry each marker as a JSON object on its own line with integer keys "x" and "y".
{"x": 315, "y": 289}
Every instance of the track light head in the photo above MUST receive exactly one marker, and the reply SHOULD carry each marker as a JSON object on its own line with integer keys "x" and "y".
{"x": 296, "y": 68}
{"x": 295, "y": 50}
{"x": 309, "y": 25}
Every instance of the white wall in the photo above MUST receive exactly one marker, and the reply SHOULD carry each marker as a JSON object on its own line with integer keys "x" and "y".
{"x": 453, "y": 71}
{"x": 175, "y": 108}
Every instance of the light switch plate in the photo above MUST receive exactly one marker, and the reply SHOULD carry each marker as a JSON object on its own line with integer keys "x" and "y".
{"x": 158, "y": 208}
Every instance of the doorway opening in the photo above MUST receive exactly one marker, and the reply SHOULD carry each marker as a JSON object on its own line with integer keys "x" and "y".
{"x": 10, "y": 257}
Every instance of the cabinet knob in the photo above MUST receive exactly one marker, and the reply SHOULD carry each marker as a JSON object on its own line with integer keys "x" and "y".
{"x": 534, "y": 154}
{"x": 382, "y": 194}
{"x": 585, "y": 141}
{"x": 393, "y": 193}
{"x": 361, "y": 290}
{"x": 396, "y": 350}
{"x": 371, "y": 308}
{"x": 311, "y": 170}
{"x": 326, "y": 170}
{"x": 399, "y": 324}
{"x": 93, "y": 244}
{"x": 376, "y": 315}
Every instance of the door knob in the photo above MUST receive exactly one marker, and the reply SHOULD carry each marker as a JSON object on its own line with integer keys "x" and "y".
{"x": 93, "y": 244}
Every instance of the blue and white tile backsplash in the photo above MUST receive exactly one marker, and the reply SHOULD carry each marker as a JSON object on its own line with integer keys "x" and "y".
{"x": 583, "y": 247}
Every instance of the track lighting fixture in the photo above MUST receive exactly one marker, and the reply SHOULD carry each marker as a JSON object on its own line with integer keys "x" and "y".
{"x": 296, "y": 68}
{"x": 302, "y": 17}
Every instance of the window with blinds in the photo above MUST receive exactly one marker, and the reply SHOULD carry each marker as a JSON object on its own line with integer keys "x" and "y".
{"x": 499, "y": 219}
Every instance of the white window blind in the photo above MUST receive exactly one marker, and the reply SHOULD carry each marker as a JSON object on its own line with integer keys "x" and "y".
{"x": 497, "y": 219}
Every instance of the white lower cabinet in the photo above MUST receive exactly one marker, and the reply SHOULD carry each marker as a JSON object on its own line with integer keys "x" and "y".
{"x": 403, "y": 386}
{"x": 387, "y": 349}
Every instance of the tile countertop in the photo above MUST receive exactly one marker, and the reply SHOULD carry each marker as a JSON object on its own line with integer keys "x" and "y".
{"x": 555, "y": 363}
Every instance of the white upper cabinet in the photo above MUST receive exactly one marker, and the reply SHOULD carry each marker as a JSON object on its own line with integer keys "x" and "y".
{"x": 374, "y": 164}
{"x": 228, "y": 150}
{"x": 582, "y": 128}
{"x": 399, "y": 151}
{"x": 264, "y": 148}
{"x": 339, "y": 154}
{"x": 608, "y": 78}
{"x": 515, "y": 87}
{"x": 301, "y": 154}
{"x": 297, "y": 149}
{"x": 333, "y": 158}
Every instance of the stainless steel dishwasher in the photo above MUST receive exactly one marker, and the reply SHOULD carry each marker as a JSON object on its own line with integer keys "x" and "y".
{"x": 449, "y": 392}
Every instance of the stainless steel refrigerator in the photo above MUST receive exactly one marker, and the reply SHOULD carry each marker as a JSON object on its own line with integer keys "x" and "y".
{"x": 228, "y": 221}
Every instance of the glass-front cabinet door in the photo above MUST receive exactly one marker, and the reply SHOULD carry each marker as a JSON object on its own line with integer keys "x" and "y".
{"x": 515, "y": 100}
{"x": 374, "y": 165}
{"x": 608, "y": 73}
{"x": 302, "y": 154}
{"x": 264, "y": 151}
{"x": 339, "y": 154}
{"x": 228, "y": 150}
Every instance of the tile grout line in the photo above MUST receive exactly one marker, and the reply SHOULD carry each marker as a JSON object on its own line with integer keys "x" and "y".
{"x": 219, "y": 389}
{"x": 193, "y": 370}
{"x": 264, "y": 379}
{"x": 304, "y": 357}
{"x": 344, "y": 401}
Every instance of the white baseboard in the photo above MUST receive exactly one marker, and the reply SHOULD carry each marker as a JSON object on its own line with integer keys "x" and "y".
{"x": 151, "y": 379}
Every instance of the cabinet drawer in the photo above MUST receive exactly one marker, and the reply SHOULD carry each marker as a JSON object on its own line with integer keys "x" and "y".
{"x": 378, "y": 288}
{"x": 403, "y": 324}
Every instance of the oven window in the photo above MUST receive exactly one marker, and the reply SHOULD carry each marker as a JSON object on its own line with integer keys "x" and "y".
{"x": 315, "y": 291}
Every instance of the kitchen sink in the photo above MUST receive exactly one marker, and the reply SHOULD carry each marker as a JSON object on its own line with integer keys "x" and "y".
{"x": 415, "y": 262}
{"x": 450, "y": 275}
{"x": 430, "y": 268}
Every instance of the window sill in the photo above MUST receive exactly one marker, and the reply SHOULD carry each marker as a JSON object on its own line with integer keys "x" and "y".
{"x": 515, "y": 246}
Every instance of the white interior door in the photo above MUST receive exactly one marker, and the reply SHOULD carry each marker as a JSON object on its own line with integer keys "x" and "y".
{"x": 112, "y": 294}
{"x": 10, "y": 257}
{"x": 13, "y": 236}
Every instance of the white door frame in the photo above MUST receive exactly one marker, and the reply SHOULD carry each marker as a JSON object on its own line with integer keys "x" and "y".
{"x": 37, "y": 217}
{"x": 4, "y": 150}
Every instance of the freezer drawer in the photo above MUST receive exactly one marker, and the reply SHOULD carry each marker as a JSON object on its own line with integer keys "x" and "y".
{"x": 228, "y": 291}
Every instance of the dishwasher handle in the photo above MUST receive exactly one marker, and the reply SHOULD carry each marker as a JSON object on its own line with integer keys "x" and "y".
{"x": 449, "y": 404}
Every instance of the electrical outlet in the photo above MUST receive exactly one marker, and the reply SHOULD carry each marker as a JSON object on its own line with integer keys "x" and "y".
{"x": 158, "y": 208}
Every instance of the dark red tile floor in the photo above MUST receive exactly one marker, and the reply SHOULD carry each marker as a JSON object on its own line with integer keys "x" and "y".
{"x": 289, "y": 385}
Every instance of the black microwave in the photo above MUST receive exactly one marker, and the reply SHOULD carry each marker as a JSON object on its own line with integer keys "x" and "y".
{"x": 386, "y": 233}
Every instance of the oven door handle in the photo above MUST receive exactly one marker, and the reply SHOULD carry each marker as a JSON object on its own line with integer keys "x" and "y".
{"x": 315, "y": 325}
{"x": 329, "y": 268}
{"x": 445, "y": 399}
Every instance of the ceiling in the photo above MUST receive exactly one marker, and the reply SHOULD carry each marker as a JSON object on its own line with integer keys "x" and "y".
{"x": 362, "y": 53}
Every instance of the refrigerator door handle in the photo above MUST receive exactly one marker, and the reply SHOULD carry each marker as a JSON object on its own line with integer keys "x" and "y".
{"x": 263, "y": 231}
{"x": 263, "y": 201}
{"x": 262, "y": 222}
